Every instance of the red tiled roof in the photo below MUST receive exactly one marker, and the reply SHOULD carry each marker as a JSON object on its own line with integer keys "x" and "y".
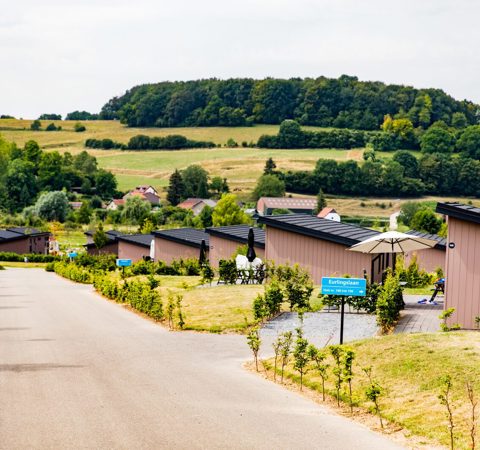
{"x": 325, "y": 212}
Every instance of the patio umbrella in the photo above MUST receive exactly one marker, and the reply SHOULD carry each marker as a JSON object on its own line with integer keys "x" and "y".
{"x": 203, "y": 253}
{"x": 152, "y": 249}
{"x": 393, "y": 242}
{"x": 251, "y": 255}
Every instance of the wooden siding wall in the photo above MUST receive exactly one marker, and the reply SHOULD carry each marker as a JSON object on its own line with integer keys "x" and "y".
{"x": 428, "y": 260}
{"x": 167, "y": 251}
{"x": 224, "y": 249}
{"x": 321, "y": 258}
{"x": 463, "y": 272}
{"x": 20, "y": 246}
{"x": 126, "y": 250}
{"x": 108, "y": 249}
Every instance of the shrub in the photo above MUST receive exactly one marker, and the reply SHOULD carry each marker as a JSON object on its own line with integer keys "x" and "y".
{"x": 32, "y": 257}
{"x": 227, "y": 270}
{"x": 73, "y": 272}
{"x": 390, "y": 302}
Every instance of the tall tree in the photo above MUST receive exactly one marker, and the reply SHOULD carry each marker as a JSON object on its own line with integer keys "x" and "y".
{"x": 269, "y": 186}
{"x": 100, "y": 237}
{"x": 195, "y": 179}
{"x": 176, "y": 188}
{"x": 228, "y": 212}
{"x": 270, "y": 167}
{"x": 321, "y": 201}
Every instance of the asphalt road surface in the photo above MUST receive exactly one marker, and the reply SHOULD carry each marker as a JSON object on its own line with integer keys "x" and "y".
{"x": 79, "y": 372}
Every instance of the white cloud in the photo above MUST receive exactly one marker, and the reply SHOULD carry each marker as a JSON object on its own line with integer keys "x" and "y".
{"x": 57, "y": 56}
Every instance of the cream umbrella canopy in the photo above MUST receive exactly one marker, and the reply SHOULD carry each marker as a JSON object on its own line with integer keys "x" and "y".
{"x": 393, "y": 242}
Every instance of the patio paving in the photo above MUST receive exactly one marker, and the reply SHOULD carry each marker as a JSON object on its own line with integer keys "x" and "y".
{"x": 419, "y": 318}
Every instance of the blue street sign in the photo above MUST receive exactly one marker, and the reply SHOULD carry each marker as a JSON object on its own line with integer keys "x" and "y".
{"x": 124, "y": 262}
{"x": 355, "y": 287}
{"x": 72, "y": 254}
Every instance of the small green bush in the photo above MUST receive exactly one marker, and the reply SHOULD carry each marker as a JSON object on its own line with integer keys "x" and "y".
{"x": 32, "y": 257}
{"x": 390, "y": 302}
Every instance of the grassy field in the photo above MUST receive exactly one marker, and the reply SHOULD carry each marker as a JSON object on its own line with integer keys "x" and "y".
{"x": 241, "y": 166}
{"x": 19, "y": 131}
{"x": 409, "y": 367}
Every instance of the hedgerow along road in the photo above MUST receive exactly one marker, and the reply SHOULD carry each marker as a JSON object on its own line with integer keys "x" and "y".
{"x": 78, "y": 371}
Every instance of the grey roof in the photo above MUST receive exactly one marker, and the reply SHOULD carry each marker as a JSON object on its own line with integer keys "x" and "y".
{"x": 239, "y": 233}
{"x": 143, "y": 240}
{"x": 460, "y": 211}
{"x": 316, "y": 227}
{"x": 26, "y": 230}
{"x": 6, "y": 235}
{"x": 442, "y": 242}
{"x": 15, "y": 233}
{"x": 186, "y": 236}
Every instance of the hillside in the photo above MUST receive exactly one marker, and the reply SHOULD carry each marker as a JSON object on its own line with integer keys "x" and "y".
{"x": 345, "y": 102}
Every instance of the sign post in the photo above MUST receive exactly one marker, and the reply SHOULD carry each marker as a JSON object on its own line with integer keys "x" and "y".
{"x": 124, "y": 263}
{"x": 344, "y": 287}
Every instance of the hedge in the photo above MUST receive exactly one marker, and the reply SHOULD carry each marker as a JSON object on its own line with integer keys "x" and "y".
{"x": 73, "y": 272}
{"x": 32, "y": 257}
{"x": 139, "y": 295}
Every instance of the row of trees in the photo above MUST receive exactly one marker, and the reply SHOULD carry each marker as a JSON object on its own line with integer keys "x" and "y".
{"x": 291, "y": 135}
{"x": 27, "y": 171}
{"x": 194, "y": 182}
{"x": 143, "y": 142}
{"x": 438, "y": 138}
{"x": 345, "y": 102}
{"x": 403, "y": 175}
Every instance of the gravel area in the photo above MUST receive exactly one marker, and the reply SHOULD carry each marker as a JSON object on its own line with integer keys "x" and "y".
{"x": 320, "y": 328}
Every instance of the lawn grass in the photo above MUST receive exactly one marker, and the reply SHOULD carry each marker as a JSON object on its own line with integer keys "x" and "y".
{"x": 409, "y": 367}
{"x": 23, "y": 265}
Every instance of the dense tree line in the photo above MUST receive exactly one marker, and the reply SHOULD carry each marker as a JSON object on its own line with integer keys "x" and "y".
{"x": 403, "y": 175}
{"x": 50, "y": 117}
{"x": 291, "y": 135}
{"x": 81, "y": 115}
{"x": 28, "y": 171}
{"x": 143, "y": 142}
{"x": 344, "y": 102}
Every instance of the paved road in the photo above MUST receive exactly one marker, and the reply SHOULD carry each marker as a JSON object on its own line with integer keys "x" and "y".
{"x": 79, "y": 372}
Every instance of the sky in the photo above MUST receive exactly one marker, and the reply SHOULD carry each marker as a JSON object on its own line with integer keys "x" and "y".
{"x": 58, "y": 56}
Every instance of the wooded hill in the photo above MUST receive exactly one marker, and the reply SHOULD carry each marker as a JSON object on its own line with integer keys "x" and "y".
{"x": 345, "y": 102}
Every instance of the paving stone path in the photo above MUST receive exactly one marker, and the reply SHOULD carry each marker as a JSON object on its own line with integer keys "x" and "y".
{"x": 419, "y": 318}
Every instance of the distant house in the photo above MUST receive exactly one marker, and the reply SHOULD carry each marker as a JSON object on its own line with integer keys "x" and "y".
{"x": 115, "y": 204}
{"x": 154, "y": 199}
{"x": 301, "y": 205}
{"x": 179, "y": 243}
{"x": 134, "y": 246}
{"x": 111, "y": 246}
{"x": 75, "y": 205}
{"x": 24, "y": 240}
{"x": 144, "y": 189}
{"x": 224, "y": 241}
{"x": 197, "y": 204}
{"x": 329, "y": 213}
{"x": 432, "y": 258}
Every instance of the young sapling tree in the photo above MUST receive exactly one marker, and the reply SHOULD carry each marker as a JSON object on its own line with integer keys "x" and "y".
{"x": 277, "y": 346}
{"x": 300, "y": 356}
{"x": 254, "y": 342}
{"x": 337, "y": 352}
{"x": 473, "y": 417}
{"x": 170, "y": 310}
{"x": 180, "y": 317}
{"x": 348, "y": 357}
{"x": 318, "y": 359}
{"x": 446, "y": 400}
{"x": 373, "y": 392}
{"x": 285, "y": 350}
